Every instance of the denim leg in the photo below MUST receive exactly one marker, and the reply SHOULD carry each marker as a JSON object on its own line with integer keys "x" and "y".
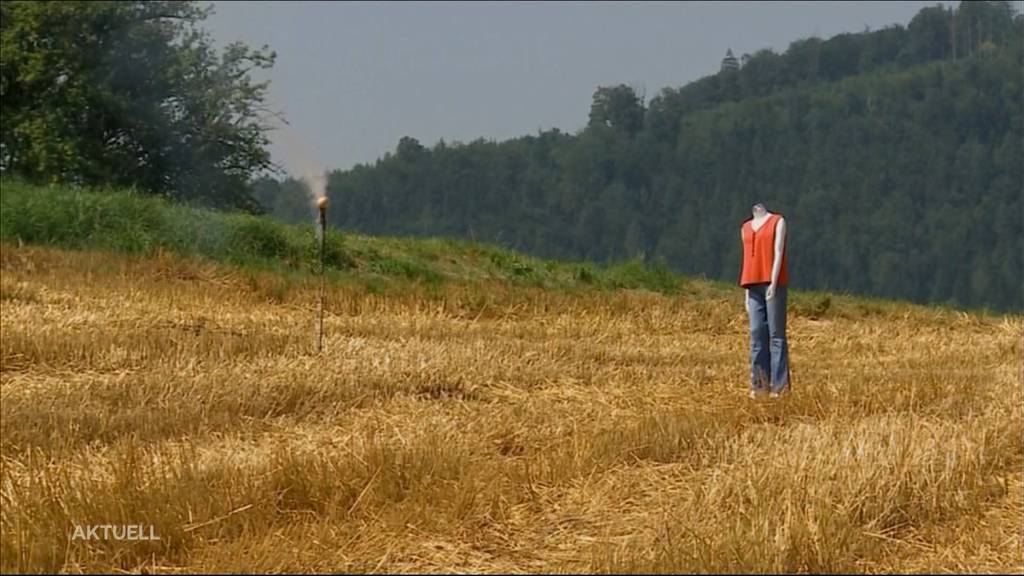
{"x": 760, "y": 356}
{"x": 779, "y": 346}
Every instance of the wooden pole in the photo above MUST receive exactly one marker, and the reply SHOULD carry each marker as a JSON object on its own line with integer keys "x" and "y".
{"x": 320, "y": 315}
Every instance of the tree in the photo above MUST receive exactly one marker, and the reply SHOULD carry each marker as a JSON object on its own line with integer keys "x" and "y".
{"x": 840, "y": 55}
{"x": 617, "y": 107}
{"x": 409, "y": 149}
{"x": 288, "y": 201}
{"x": 929, "y": 35}
{"x": 131, "y": 94}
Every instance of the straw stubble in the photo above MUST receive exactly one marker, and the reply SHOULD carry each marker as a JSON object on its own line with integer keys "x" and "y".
{"x": 528, "y": 431}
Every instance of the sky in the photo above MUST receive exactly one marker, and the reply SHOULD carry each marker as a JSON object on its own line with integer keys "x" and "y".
{"x": 352, "y": 78}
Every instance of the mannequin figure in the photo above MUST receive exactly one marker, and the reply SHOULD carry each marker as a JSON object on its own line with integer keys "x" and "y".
{"x": 764, "y": 277}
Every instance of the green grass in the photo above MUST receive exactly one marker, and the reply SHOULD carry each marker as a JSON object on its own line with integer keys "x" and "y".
{"x": 128, "y": 222}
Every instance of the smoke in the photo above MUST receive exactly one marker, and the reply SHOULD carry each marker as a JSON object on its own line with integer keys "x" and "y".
{"x": 316, "y": 185}
{"x": 302, "y": 163}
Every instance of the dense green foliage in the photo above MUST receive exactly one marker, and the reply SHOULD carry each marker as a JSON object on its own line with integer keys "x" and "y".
{"x": 125, "y": 221}
{"x": 130, "y": 94}
{"x": 286, "y": 200}
{"x": 895, "y": 156}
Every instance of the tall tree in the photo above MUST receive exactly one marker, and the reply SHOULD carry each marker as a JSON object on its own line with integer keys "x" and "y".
{"x": 131, "y": 94}
{"x": 617, "y": 107}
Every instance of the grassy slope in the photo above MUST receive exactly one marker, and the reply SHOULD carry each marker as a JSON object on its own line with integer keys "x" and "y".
{"x": 125, "y": 222}
{"x": 120, "y": 221}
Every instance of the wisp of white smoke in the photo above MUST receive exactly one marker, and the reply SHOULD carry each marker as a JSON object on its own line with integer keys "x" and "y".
{"x": 316, "y": 183}
{"x": 300, "y": 159}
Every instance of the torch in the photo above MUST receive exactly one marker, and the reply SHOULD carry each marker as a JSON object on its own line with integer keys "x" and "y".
{"x": 321, "y": 205}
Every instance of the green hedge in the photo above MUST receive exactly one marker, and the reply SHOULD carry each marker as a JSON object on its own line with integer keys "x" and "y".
{"x": 124, "y": 221}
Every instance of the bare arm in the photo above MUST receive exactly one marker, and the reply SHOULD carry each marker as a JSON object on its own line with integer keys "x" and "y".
{"x": 780, "y": 244}
{"x": 746, "y": 291}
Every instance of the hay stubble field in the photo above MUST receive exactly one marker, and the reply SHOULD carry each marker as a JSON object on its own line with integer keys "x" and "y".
{"x": 490, "y": 428}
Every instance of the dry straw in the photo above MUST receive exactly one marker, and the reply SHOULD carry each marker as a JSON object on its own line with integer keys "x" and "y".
{"x": 489, "y": 429}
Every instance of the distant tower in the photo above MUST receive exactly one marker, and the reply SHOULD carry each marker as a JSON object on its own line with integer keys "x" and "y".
{"x": 729, "y": 62}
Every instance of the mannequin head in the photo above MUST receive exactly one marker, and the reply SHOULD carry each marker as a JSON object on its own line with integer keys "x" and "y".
{"x": 758, "y": 210}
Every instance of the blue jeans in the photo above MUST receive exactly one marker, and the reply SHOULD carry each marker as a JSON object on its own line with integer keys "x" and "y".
{"x": 769, "y": 352}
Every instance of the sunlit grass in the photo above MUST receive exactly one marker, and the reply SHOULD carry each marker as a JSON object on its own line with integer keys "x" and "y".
{"x": 485, "y": 425}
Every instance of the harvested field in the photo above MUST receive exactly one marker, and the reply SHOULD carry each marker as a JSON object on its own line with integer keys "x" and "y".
{"x": 490, "y": 428}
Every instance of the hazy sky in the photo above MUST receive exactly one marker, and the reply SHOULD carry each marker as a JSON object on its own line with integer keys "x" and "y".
{"x": 352, "y": 78}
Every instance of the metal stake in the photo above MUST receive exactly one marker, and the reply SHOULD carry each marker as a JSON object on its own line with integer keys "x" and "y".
{"x": 322, "y": 206}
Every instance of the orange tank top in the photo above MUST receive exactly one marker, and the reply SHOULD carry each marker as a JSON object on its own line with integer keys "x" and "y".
{"x": 759, "y": 252}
